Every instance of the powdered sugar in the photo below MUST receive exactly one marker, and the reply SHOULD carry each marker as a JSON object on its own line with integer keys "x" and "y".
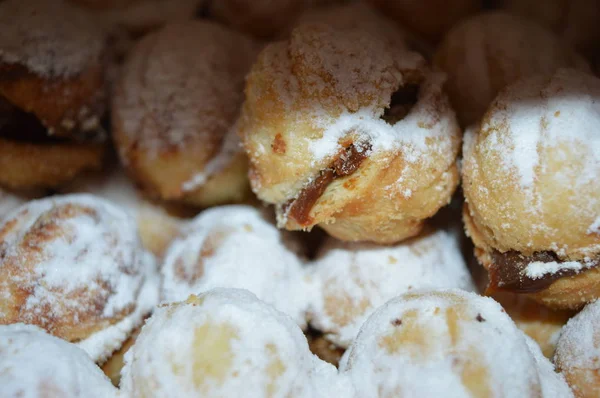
{"x": 541, "y": 113}
{"x": 78, "y": 258}
{"x": 181, "y": 88}
{"x": 234, "y": 246}
{"x": 34, "y": 364}
{"x": 578, "y": 347}
{"x": 49, "y": 37}
{"x": 448, "y": 343}
{"x": 100, "y": 345}
{"x": 352, "y": 280}
{"x": 413, "y": 134}
{"x": 595, "y": 227}
{"x": 538, "y": 269}
{"x": 222, "y": 343}
{"x": 553, "y": 384}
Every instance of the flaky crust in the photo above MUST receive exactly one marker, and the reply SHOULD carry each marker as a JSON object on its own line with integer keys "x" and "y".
{"x": 487, "y": 52}
{"x": 309, "y": 97}
{"x": 174, "y": 112}
{"x": 26, "y": 165}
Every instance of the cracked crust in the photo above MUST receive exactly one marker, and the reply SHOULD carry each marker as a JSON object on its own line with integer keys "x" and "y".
{"x": 301, "y": 89}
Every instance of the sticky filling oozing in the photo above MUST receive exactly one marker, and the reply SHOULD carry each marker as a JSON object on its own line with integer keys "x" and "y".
{"x": 508, "y": 271}
{"x": 346, "y": 163}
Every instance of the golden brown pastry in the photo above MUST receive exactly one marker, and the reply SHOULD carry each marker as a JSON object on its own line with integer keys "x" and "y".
{"x": 447, "y": 343}
{"x": 351, "y": 280}
{"x": 158, "y": 223}
{"x": 530, "y": 182}
{"x": 487, "y": 52}
{"x": 235, "y": 247}
{"x": 578, "y": 352}
{"x": 51, "y": 93}
{"x": 228, "y": 343}
{"x": 348, "y": 133}
{"x": 174, "y": 113}
{"x": 429, "y": 18}
{"x": 73, "y": 265}
{"x": 37, "y": 365}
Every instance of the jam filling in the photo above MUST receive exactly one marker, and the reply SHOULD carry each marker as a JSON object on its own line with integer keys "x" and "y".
{"x": 345, "y": 164}
{"x": 508, "y": 272}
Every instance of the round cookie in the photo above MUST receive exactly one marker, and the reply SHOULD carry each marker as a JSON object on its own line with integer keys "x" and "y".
{"x": 35, "y": 364}
{"x": 73, "y": 265}
{"x": 235, "y": 247}
{"x": 352, "y": 280}
{"x": 222, "y": 343}
{"x": 529, "y": 179}
{"x": 174, "y": 113}
{"x": 446, "y": 343}
{"x": 578, "y": 352}
{"x": 348, "y": 133}
{"x": 487, "y": 52}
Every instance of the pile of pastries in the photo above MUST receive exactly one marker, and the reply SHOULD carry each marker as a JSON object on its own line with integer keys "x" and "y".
{"x": 299, "y": 198}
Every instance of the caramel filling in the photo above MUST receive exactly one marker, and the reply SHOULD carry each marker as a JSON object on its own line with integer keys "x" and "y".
{"x": 345, "y": 164}
{"x": 508, "y": 272}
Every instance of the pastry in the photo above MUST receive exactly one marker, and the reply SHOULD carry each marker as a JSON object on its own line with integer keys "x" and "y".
{"x": 235, "y": 247}
{"x": 577, "y": 352}
{"x": 174, "y": 111}
{"x": 73, "y": 265}
{"x": 530, "y": 182}
{"x": 228, "y": 343}
{"x": 352, "y": 280}
{"x": 157, "y": 223}
{"x": 140, "y": 16}
{"x": 441, "y": 344}
{"x": 35, "y": 364}
{"x": 487, "y": 52}
{"x": 553, "y": 384}
{"x": 576, "y": 21}
{"x": 348, "y": 133}
{"x": 51, "y": 93}
{"x": 540, "y": 323}
{"x": 260, "y": 18}
{"x": 113, "y": 365}
{"x": 429, "y": 18}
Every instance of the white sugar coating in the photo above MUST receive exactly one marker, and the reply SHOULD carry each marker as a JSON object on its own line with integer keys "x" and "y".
{"x": 34, "y": 364}
{"x": 546, "y": 112}
{"x": 9, "y": 202}
{"x": 449, "y": 343}
{"x": 553, "y": 384}
{"x": 182, "y": 87}
{"x": 49, "y": 37}
{"x": 235, "y": 247}
{"x": 578, "y": 346}
{"x": 224, "y": 342}
{"x": 422, "y": 131}
{"x": 74, "y": 255}
{"x": 351, "y": 280}
{"x": 538, "y": 269}
{"x": 595, "y": 227}
{"x": 100, "y": 345}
